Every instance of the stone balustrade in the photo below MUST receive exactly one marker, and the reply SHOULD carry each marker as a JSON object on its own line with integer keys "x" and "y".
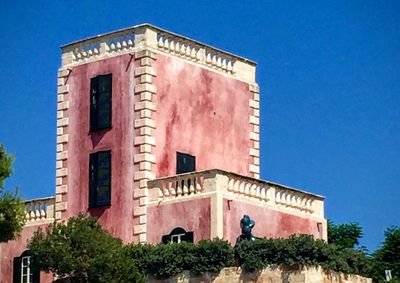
{"x": 234, "y": 185}
{"x": 39, "y": 210}
{"x": 179, "y": 185}
{"x": 146, "y": 36}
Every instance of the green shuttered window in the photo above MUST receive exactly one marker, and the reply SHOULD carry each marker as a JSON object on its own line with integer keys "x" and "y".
{"x": 100, "y": 102}
{"x": 100, "y": 179}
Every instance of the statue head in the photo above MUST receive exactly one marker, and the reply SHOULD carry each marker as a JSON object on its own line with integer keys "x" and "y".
{"x": 246, "y": 224}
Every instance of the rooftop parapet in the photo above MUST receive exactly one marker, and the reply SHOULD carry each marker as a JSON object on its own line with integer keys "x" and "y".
{"x": 264, "y": 193}
{"x": 146, "y": 36}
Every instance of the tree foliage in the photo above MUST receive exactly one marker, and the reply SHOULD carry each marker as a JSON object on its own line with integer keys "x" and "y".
{"x": 12, "y": 208}
{"x": 344, "y": 235}
{"x": 387, "y": 257}
{"x": 82, "y": 251}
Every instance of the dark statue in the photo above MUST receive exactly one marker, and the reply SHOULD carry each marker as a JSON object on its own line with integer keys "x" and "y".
{"x": 246, "y": 224}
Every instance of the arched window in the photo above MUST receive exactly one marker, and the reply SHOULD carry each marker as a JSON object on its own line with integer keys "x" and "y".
{"x": 25, "y": 270}
{"x": 178, "y": 235}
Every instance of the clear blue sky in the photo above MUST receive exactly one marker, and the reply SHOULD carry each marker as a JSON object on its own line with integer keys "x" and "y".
{"x": 329, "y": 73}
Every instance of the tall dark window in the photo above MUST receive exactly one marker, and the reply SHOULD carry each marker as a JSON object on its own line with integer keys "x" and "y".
{"x": 100, "y": 179}
{"x": 100, "y": 102}
{"x": 185, "y": 163}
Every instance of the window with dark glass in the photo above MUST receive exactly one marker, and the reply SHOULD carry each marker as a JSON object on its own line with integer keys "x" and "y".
{"x": 185, "y": 163}
{"x": 25, "y": 270}
{"x": 100, "y": 179}
{"x": 100, "y": 102}
{"x": 177, "y": 235}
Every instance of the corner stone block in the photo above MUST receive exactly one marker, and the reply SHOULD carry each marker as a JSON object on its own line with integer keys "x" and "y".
{"x": 60, "y": 131}
{"x": 144, "y": 122}
{"x": 63, "y": 89}
{"x": 143, "y": 219}
{"x": 254, "y": 136}
{"x": 254, "y": 104}
{"x": 145, "y": 140}
{"x": 62, "y": 139}
{"x": 254, "y": 120}
{"x": 143, "y": 238}
{"x": 146, "y": 96}
{"x": 146, "y": 131}
{"x": 145, "y": 166}
{"x": 63, "y": 73}
{"x": 63, "y": 105}
{"x": 62, "y": 122}
{"x": 61, "y": 206}
{"x": 139, "y": 193}
{"x": 254, "y": 88}
{"x": 58, "y": 215}
{"x": 144, "y": 70}
{"x": 254, "y": 152}
{"x": 144, "y": 175}
{"x": 62, "y": 155}
{"x": 137, "y": 211}
{"x": 145, "y": 62}
{"x": 145, "y": 148}
{"x": 140, "y": 157}
{"x": 254, "y": 168}
{"x": 61, "y": 189}
{"x": 146, "y": 78}
{"x": 145, "y": 87}
{"x": 145, "y": 53}
{"x": 58, "y": 181}
{"x": 145, "y": 105}
{"x": 143, "y": 183}
{"x": 61, "y": 172}
{"x": 60, "y": 147}
{"x": 59, "y": 164}
{"x": 138, "y": 229}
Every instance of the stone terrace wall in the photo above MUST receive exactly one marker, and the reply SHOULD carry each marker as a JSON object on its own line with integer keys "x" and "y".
{"x": 276, "y": 275}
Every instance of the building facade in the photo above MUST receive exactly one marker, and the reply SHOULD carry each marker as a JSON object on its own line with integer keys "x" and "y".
{"x": 158, "y": 137}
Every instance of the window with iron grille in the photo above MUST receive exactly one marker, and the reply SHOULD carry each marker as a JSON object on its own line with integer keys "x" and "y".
{"x": 100, "y": 102}
{"x": 100, "y": 179}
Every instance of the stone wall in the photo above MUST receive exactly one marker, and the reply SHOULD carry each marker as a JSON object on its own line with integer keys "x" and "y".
{"x": 282, "y": 274}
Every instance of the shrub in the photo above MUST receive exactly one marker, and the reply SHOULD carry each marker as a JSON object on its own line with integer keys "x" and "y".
{"x": 168, "y": 260}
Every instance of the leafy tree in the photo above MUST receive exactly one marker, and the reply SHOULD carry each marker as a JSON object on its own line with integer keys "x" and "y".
{"x": 387, "y": 257}
{"x": 344, "y": 235}
{"x": 12, "y": 208}
{"x": 81, "y": 251}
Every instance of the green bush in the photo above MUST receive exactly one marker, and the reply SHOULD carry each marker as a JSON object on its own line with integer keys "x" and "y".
{"x": 301, "y": 250}
{"x": 168, "y": 260}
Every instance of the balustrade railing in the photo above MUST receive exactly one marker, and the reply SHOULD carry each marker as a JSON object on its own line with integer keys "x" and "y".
{"x": 179, "y": 185}
{"x": 127, "y": 40}
{"x": 39, "y": 210}
{"x": 271, "y": 194}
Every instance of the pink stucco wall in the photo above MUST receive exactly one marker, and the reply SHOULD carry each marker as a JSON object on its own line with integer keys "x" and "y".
{"x": 192, "y": 215}
{"x": 15, "y": 248}
{"x": 269, "y": 222}
{"x": 202, "y": 113}
{"x": 119, "y": 139}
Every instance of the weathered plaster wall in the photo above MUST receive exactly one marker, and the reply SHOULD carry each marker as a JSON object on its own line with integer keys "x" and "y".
{"x": 281, "y": 274}
{"x": 192, "y": 215}
{"x": 119, "y": 139}
{"x": 202, "y": 113}
{"x": 269, "y": 222}
{"x": 15, "y": 248}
